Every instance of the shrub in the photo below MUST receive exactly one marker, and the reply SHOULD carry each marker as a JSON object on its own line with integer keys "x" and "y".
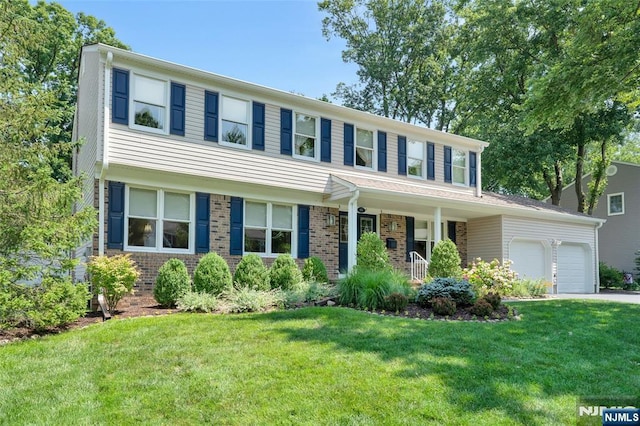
{"x": 372, "y": 254}
{"x": 212, "y": 275}
{"x": 493, "y": 299}
{"x": 284, "y": 273}
{"x": 445, "y": 260}
{"x": 459, "y": 291}
{"x": 115, "y": 276}
{"x": 172, "y": 282}
{"x": 482, "y": 308}
{"x": 443, "y": 306}
{"x": 252, "y": 273}
{"x": 490, "y": 277}
{"x": 192, "y": 301}
{"x": 249, "y": 300}
{"x": 314, "y": 270}
{"x": 308, "y": 292}
{"x": 367, "y": 289}
{"x": 396, "y": 302}
{"x": 610, "y": 277}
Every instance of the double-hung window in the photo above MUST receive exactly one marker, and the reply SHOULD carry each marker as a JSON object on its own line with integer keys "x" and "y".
{"x": 415, "y": 158}
{"x": 364, "y": 148}
{"x": 615, "y": 204}
{"x": 150, "y": 98}
{"x": 306, "y": 136}
{"x": 235, "y": 118}
{"x": 268, "y": 228}
{"x": 459, "y": 166}
{"x": 159, "y": 220}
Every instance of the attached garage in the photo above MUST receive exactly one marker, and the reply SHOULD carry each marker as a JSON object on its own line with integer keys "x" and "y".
{"x": 575, "y": 269}
{"x": 531, "y": 258}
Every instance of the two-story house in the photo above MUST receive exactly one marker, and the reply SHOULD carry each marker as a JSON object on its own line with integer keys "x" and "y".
{"x": 619, "y": 237}
{"x": 180, "y": 162}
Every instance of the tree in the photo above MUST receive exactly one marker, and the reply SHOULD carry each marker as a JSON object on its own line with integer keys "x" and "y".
{"x": 510, "y": 47}
{"x": 401, "y": 48}
{"x": 40, "y": 224}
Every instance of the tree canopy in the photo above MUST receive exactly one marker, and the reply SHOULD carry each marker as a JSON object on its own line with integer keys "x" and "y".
{"x": 40, "y": 224}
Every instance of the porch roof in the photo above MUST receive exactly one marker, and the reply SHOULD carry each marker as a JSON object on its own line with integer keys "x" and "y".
{"x": 397, "y": 195}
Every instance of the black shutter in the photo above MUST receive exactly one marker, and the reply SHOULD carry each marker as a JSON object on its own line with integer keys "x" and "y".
{"x": 258, "y": 127}
{"x": 286, "y": 131}
{"x": 115, "y": 216}
{"x": 410, "y": 221}
{"x": 120, "y": 97}
{"x": 325, "y": 140}
{"x": 382, "y": 151}
{"x": 447, "y": 164}
{"x": 202, "y": 223}
{"x": 348, "y": 144}
{"x": 303, "y": 232}
{"x": 235, "y": 243}
{"x": 178, "y": 94}
{"x": 402, "y": 155}
{"x": 472, "y": 168}
{"x": 431, "y": 161}
{"x": 211, "y": 116}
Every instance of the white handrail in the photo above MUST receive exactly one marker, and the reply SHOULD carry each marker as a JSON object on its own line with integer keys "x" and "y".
{"x": 419, "y": 266}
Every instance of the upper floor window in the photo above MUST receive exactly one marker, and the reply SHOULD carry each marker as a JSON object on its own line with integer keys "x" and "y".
{"x": 235, "y": 121}
{"x": 268, "y": 228}
{"x": 364, "y": 148}
{"x": 159, "y": 220}
{"x": 306, "y": 139}
{"x": 615, "y": 203}
{"x": 459, "y": 166}
{"x": 415, "y": 158}
{"x": 150, "y": 102}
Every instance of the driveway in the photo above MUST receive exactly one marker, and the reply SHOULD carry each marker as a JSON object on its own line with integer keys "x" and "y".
{"x": 614, "y": 297}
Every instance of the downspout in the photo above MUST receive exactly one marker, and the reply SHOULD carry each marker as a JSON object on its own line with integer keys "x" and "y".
{"x": 105, "y": 156}
{"x": 479, "y": 172}
{"x": 597, "y": 283}
{"x": 352, "y": 219}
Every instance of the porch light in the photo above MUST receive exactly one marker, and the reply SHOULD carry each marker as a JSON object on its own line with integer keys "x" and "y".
{"x": 393, "y": 226}
{"x": 331, "y": 219}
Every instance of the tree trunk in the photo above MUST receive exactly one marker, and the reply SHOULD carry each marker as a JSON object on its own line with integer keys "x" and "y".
{"x": 554, "y": 183}
{"x": 580, "y": 166}
{"x": 599, "y": 179}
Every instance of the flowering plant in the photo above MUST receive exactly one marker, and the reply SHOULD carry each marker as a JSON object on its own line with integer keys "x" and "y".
{"x": 491, "y": 276}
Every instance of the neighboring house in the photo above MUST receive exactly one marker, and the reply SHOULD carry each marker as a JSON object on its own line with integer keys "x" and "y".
{"x": 619, "y": 237}
{"x": 181, "y": 162}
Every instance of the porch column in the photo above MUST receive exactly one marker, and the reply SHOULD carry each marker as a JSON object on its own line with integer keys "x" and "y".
{"x": 437, "y": 225}
{"x": 352, "y": 220}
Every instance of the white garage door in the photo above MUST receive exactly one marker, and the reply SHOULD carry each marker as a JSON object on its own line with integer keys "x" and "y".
{"x": 574, "y": 269}
{"x": 530, "y": 259}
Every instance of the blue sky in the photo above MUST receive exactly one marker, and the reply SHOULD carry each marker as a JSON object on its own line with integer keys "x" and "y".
{"x": 278, "y": 44}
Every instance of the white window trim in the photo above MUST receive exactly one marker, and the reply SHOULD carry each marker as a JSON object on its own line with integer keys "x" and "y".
{"x": 609, "y": 196}
{"x": 249, "y": 121}
{"x": 294, "y": 232}
{"x": 160, "y": 217}
{"x": 424, "y": 160}
{"x": 466, "y": 167}
{"x": 167, "y": 107}
{"x": 316, "y": 151}
{"x": 374, "y": 156}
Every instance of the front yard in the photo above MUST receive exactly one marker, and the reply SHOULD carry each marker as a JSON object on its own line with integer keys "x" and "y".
{"x": 325, "y": 366}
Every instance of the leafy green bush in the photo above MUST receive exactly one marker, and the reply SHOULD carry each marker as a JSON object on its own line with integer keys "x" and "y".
{"x": 212, "y": 275}
{"x": 284, "y": 273}
{"x": 610, "y": 277}
{"x": 459, "y": 291}
{"x": 372, "y": 254}
{"x": 249, "y": 300}
{"x": 314, "y": 270}
{"x": 445, "y": 260}
{"x": 493, "y": 299}
{"x": 172, "y": 282}
{"x": 396, "y": 302}
{"x": 55, "y": 302}
{"x": 490, "y": 277}
{"x": 367, "y": 289}
{"x": 443, "y": 306}
{"x": 192, "y": 301}
{"x": 252, "y": 273}
{"x": 482, "y": 308}
{"x": 308, "y": 292}
{"x": 114, "y": 276}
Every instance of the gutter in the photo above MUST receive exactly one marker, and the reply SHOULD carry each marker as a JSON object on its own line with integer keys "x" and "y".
{"x": 105, "y": 155}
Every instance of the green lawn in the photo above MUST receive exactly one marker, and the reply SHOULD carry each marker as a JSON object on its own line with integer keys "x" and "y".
{"x": 325, "y": 366}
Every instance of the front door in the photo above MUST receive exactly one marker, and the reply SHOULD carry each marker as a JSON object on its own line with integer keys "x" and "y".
{"x": 366, "y": 223}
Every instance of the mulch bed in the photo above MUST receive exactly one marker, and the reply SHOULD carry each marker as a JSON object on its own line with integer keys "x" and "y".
{"x": 138, "y": 306}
